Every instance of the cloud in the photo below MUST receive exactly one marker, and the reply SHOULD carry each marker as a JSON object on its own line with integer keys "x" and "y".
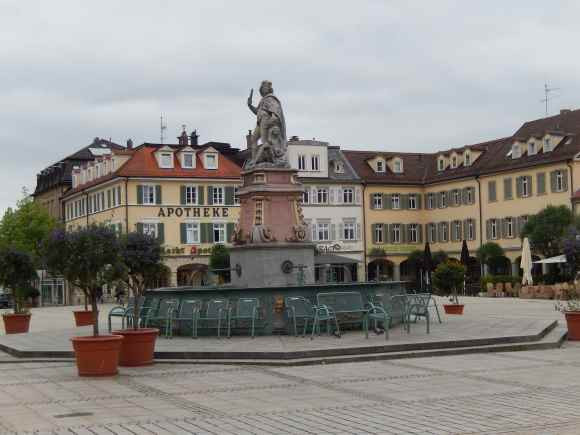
{"x": 369, "y": 74}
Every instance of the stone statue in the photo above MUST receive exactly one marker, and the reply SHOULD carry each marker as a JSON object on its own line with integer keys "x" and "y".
{"x": 270, "y": 131}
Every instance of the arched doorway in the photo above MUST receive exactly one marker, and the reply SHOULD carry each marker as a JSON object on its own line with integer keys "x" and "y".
{"x": 194, "y": 275}
{"x": 410, "y": 272}
{"x": 380, "y": 270}
{"x": 500, "y": 266}
{"x": 473, "y": 283}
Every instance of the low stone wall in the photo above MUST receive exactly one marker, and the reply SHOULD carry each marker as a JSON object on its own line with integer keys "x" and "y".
{"x": 273, "y": 312}
{"x": 541, "y": 291}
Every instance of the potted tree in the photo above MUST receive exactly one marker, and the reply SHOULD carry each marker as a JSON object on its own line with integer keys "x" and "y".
{"x": 17, "y": 271}
{"x": 83, "y": 317}
{"x": 571, "y": 310}
{"x": 141, "y": 255}
{"x": 89, "y": 258}
{"x": 447, "y": 278}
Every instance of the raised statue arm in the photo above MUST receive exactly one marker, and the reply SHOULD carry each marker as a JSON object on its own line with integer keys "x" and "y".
{"x": 250, "y": 106}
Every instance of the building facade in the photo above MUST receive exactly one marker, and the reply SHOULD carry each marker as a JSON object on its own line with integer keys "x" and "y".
{"x": 332, "y": 208}
{"x": 185, "y": 195}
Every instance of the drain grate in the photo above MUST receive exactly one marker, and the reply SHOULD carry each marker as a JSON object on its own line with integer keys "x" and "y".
{"x": 74, "y": 414}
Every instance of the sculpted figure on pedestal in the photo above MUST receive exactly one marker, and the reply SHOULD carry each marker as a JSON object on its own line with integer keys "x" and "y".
{"x": 267, "y": 142}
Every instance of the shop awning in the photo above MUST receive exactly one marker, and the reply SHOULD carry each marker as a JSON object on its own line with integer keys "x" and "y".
{"x": 333, "y": 259}
{"x": 556, "y": 259}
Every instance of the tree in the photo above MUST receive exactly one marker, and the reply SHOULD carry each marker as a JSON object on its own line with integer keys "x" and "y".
{"x": 547, "y": 229}
{"x": 141, "y": 254}
{"x": 491, "y": 254}
{"x": 88, "y": 258}
{"x": 439, "y": 257}
{"x": 25, "y": 227}
{"x": 415, "y": 261}
{"x": 448, "y": 277}
{"x": 571, "y": 247}
{"x": 17, "y": 272}
{"x": 219, "y": 261}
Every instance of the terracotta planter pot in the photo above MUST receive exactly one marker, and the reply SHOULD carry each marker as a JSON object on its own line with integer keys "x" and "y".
{"x": 138, "y": 346}
{"x": 573, "y": 321}
{"x": 453, "y": 308}
{"x": 83, "y": 318}
{"x": 97, "y": 356}
{"x": 16, "y": 323}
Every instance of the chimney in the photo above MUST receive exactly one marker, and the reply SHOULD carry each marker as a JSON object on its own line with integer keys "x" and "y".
{"x": 129, "y": 144}
{"x": 564, "y": 111}
{"x": 194, "y": 138}
{"x": 183, "y": 139}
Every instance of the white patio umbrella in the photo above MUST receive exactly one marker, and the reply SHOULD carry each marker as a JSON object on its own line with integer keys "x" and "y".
{"x": 526, "y": 263}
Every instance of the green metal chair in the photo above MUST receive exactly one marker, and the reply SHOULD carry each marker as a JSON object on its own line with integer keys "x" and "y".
{"x": 216, "y": 311}
{"x": 326, "y": 314}
{"x": 120, "y": 311}
{"x": 349, "y": 306}
{"x": 144, "y": 305}
{"x": 188, "y": 312}
{"x": 163, "y": 316}
{"x": 298, "y": 309}
{"x": 377, "y": 314}
{"x": 398, "y": 306}
{"x": 418, "y": 306}
{"x": 247, "y": 309}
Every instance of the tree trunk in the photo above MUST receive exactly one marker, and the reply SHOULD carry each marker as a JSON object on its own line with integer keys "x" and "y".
{"x": 95, "y": 314}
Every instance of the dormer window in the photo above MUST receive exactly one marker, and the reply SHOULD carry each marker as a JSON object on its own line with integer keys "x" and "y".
{"x": 516, "y": 151}
{"x": 532, "y": 148}
{"x": 398, "y": 166}
{"x": 547, "y": 145}
{"x": 338, "y": 167}
{"x": 440, "y": 164}
{"x": 188, "y": 160}
{"x": 210, "y": 161}
{"x": 380, "y": 166}
{"x": 453, "y": 162}
{"x": 166, "y": 160}
{"x": 467, "y": 159}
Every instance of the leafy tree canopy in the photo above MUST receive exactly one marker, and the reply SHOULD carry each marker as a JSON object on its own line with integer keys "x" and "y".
{"x": 220, "y": 259}
{"x": 448, "y": 277}
{"x": 17, "y": 272}
{"x": 439, "y": 257}
{"x": 489, "y": 252}
{"x": 415, "y": 258}
{"x": 25, "y": 227}
{"x": 547, "y": 228}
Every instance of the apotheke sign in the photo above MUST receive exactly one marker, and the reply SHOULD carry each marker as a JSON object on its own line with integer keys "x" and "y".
{"x": 208, "y": 212}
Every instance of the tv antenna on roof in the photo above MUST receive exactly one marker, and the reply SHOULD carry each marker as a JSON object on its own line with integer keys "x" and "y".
{"x": 547, "y": 96}
{"x": 162, "y": 128}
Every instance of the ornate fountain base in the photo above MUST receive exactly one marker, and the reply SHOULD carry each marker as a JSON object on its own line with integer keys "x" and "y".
{"x": 271, "y": 241}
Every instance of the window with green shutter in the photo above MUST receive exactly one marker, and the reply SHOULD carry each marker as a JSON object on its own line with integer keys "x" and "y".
{"x": 139, "y": 194}
{"x": 507, "y": 189}
{"x": 229, "y": 195}
{"x": 158, "y": 195}
{"x": 491, "y": 191}
{"x": 541, "y": 182}
{"x": 161, "y": 232}
{"x": 210, "y": 195}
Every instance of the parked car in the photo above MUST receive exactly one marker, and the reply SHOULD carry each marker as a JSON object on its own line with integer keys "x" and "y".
{"x": 6, "y": 300}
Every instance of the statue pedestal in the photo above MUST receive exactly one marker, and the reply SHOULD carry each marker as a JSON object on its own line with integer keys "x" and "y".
{"x": 271, "y": 241}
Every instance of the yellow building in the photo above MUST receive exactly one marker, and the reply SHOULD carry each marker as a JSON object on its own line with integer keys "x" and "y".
{"x": 184, "y": 194}
{"x": 481, "y": 193}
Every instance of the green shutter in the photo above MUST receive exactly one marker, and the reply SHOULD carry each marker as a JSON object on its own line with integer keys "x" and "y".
{"x": 108, "y": 199}
{"x": 229, "y": 195}
{"x": 419, "y": 200}
{"x": 404, "y": 201}
{"x": 530, "y": 185}
{"x": 507, "y": 188}
{"x": 373, "y": 233}
{"x": 420, "y": 233}
{"x": 161, "y": 232}
{"x": 182, "y": 195}
{"x": 139, "y": 194}
{"x": 140, "y": 227}
{"x": 553, "y": 181}
{"x": 488, "y": 229}
{"x": 206, "y": 233}
{"x": 200, "y": 194}
{"x": 403, "y": 233}
{"x": 541, "y": 180}
{"x": 519, "y": 187}
{"x": 210, "y": 195}
{"x": 230, "y": 229}
{"x": 119, "y": 195}
{"x": 372, "y": 202}
{"x": 387, "y": 202}
{"x": 158, "y": 199}
{"x": 492, "y": 192}
{"x": 183, "y": 232}
{"x": 564, "y": 180}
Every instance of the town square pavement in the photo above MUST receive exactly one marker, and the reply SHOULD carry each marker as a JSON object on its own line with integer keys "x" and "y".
{"x": 526, "y": 392}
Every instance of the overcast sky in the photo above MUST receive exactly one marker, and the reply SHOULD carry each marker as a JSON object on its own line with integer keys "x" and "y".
{"x": 385, "y": 75}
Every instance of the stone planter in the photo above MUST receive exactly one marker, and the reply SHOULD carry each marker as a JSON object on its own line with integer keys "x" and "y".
{"x": 138, "y": 346}
{"x": 453, "y": 308}
{"x": 97, "y": 356}
{"x": 573, "y": 322}
{"x": 83, "y": 318}
{"x": 16, "y": 323}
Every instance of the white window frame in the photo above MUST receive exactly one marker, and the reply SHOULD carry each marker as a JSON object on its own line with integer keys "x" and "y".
{"x": 413, "y": 233}
{"x": 348, "y": 195}
{"x": 453, "y": 162}
{"x": 457, "y": 197}
{"x": 322, "y": 195}
{"x": 559, "y": 181}
{"x": 509, "y": 227}
{"x": 322, "y": 231}
{"x": 339, "y": 167}
{"x": 469, "y": 195}
{"x": 184, "y": 157}
{"x": 163, "y": 163}
{"x": 306, "y": 197}
{"x": 493, "y": 229}
{"x": 377, "y": 201}
{"x": 547, "y": 145}
{"x": 457, "y": 229}
{"x": 440, "y": 164}
{"x": 219, "y": 229}
{"x": 396, "y": 201}
{"x": 470, "y": 229}
{"x": 315, "y": 162}
{"x": 443, "y": 199}
{"x": 349, "y": 231}
{"x": 149, "y": 194}
{"x": 525, "y": 187}
{"x": 467, "y": 158}
{"x": 396, "y": 233}
{"x": 379, "y": 234}
{"x": 218, "y": 195}
{"x": 431, "y": 201}
{"x": 532, "y": 149}
{"x": 150, "y": 228}
{"x": 398, "y": 166}
{"x": 191, "y": 195}
{"x": 432, "y": 233}
{"x": 444, "y": 235}
{"x": 380, "y": 166}
{"x": 211, "y": 160}
{"x": 192, "y": 233}
{"x": 516, "y": 151}
{"x": 236, "y": 195}
{"x": 413, "y": 202}
{"x": 301, "y": 162}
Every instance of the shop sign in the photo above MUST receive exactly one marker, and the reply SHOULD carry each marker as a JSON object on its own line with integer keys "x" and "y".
{"x": 398, "y": 248}
{"x": 194, "y": 212}
{"x": 193, "y": 251}
{"x": 325, "y": 249}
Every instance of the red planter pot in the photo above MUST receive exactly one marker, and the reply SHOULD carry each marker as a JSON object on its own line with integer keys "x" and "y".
{"x": 138, "y": 346}
{"x": 97, "y": 356}
{"x": 83, "y": 318}
{"x": 16, "y": 323}
{"x": 573, "y": 322}
{"x": 453, "y": 308}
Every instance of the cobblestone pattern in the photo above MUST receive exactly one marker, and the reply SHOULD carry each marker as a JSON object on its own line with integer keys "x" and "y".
{"x": 518, "y": 393}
